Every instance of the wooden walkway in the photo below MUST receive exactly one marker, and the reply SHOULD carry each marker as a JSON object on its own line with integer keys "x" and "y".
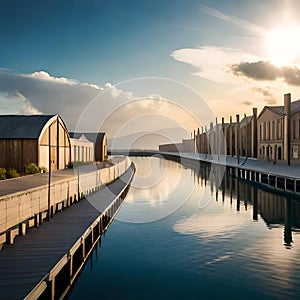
{"x": 31, "y": 257}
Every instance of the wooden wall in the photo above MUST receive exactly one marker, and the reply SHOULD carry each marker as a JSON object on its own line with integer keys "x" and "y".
{"x": 18, "y": 153}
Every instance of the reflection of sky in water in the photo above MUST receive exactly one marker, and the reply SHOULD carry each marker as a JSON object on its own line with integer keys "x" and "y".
{"x": 210, "y": 227}
{"x": 157, "y": 190}
{"x": 224, "y": 250}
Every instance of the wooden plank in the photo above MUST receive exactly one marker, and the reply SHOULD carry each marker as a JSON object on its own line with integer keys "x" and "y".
{"x": 23, "y": 265}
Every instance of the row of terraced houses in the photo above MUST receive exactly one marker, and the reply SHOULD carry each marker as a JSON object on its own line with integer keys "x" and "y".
{"x": 272, "y": 135}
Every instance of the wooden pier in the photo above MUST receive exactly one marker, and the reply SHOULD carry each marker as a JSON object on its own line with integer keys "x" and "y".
{"x": 44, "y": 263}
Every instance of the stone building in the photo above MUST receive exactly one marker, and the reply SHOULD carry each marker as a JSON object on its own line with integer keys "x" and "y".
{"x": 279, "y": 131}
{"x": 39, "y": 139}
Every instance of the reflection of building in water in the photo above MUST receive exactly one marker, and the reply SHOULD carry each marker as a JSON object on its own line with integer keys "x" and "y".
{"x": 274, "y": 209}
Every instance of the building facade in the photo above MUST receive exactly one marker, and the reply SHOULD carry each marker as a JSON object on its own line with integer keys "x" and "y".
{"x": 82, "y": 150}
{"x": 279, "y": 131}
{"x": 273, "y": 135}
{"x": 99, "y": 141}
{"x": 39, "y": 139}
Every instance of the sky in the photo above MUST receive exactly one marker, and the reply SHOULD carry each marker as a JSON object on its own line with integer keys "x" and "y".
{"x": 129, "y": 66}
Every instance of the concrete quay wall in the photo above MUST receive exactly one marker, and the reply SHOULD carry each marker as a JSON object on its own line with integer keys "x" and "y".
{"x": 279, "y": 178}
{"x": 21, "y": 210}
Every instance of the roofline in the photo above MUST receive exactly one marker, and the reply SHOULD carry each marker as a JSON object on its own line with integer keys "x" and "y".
{"x": 46, "y": 125}
{"x": 49, "y": 122}
{"x": 270, "y": 108}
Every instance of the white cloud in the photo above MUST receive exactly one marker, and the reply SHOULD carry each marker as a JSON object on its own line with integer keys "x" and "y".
{"x": 89, "y": 107}
{"x": 42, "y": 75}
{"x": 213, "y": 63}
{"x": 16, "y": 104}
{"x": 27, "y": 108}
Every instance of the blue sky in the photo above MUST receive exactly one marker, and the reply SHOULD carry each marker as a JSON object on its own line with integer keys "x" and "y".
{"x": 81, "y": 39}
{"x": 64, "y": 49}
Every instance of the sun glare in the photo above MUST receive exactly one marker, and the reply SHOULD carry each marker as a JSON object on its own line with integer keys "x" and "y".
{"x": 283, "y": 44}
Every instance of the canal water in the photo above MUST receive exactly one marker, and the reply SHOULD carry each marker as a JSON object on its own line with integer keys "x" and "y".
{"x": 180, "y": 235}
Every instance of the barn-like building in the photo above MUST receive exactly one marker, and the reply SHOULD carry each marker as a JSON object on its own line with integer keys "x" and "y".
{"x": 40, "y": 139}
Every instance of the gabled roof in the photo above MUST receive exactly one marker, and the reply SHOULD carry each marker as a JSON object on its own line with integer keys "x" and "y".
{"x": 279, "y": 110}
{"x": 22, "y": 126}
{"x": 246, "y": 120}
{"x": 83, "y": 139}
{"x": 91, "y": 136}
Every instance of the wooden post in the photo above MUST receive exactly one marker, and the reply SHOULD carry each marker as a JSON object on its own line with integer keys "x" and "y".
{"x": 230, "y": 136}
{"x": 238, "y": 137}
{"x": 9, "y": 237}
{"x": 223, "y": 138}
{"x": 22, "y": 228}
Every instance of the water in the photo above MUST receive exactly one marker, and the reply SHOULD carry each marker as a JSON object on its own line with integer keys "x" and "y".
{"x": 177, "y": 236}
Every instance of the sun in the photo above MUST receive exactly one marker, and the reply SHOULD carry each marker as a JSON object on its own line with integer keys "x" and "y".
{"x": 283, "y": 44}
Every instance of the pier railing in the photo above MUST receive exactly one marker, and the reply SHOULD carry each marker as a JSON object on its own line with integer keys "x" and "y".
{"x": 56, "y": 284}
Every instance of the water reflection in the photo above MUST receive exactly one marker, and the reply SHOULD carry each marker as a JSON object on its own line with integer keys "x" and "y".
{"x": 275, "y": 210}
{"x": 243, "y": 245}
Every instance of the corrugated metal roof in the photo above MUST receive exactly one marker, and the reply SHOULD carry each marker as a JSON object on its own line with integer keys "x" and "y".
{"x": 22, "y": 126}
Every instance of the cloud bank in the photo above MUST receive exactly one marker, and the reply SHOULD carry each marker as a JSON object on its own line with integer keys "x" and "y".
{"x": 264, "y": 70}
{"x": 40, "y": 92}
{"x": 213, "y": 63}
{"x": 89, "y": 107}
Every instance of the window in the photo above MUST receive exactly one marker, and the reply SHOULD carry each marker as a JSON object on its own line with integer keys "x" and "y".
{"x": 273, "y": 131}
{"x": 279, "y": 153}
{"x": 261, "y": 131}
{"x": 295, "y": 152}
{"x": 294, "y": 129}
{"x": 279, "y": 132}
{"x": 267, "y": 131}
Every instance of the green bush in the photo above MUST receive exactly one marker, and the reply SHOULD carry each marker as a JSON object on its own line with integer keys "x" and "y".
{"x": 32, "y": 169}
{"x": 12, "y": 173}
{"x": 2, "y": 173}
{"x": 43, "y": 169}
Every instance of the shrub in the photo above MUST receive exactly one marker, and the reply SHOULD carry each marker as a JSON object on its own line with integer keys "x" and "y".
{"x": 2, "y": 173}
{"x": 12, "y": 173}
{"x": 32, "y": 169}
{"x": 43, "y": 169}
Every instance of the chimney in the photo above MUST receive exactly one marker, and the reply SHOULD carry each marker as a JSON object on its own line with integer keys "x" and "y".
{"x": 254, "y": 133}
{"x": 287, "y": 126}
